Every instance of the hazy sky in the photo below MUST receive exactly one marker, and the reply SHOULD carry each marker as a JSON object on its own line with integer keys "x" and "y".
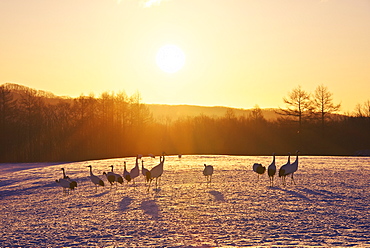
{"x": 238, "y": 52}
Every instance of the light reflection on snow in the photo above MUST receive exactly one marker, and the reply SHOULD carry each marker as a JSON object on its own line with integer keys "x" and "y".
{"x": 327, "y": 207}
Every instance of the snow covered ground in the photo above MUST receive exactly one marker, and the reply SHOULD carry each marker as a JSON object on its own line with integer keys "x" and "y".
{"x": 329, "y": 206}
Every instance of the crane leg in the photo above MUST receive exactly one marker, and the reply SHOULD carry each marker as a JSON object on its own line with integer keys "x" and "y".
{"x": 293, "y": 179}
{"x": 150, "y": 180}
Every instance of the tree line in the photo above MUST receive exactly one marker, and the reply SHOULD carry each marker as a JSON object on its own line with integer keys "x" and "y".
{"x": 38, "y": 126}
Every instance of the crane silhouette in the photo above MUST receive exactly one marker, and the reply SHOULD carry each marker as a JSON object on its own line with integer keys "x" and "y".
{"x": 259, "y": 169}
{"x": 271, "y": 171}
{"x": 283, "y": 170}
{"x": 95, "y": 179}
{"x": 207, "y": 172}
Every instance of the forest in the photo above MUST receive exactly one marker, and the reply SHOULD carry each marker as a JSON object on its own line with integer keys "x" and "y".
{"x": 37, "y": 126}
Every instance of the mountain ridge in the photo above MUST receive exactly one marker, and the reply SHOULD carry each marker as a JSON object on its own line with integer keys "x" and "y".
{"x": 167, "y": 112}
{"x": 160, "y": 112}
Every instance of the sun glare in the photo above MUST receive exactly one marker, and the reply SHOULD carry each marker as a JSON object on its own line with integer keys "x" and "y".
{"x": 170, "y": 58}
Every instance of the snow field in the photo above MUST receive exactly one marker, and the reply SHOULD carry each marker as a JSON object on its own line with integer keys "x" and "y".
{"x": 328, "y": 207}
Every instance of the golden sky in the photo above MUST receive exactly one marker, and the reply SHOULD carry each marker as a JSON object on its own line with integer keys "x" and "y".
{"x": 239, "y": 53}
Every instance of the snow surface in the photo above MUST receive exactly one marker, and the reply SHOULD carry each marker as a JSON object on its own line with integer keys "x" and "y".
{"x": 328, "y": 207}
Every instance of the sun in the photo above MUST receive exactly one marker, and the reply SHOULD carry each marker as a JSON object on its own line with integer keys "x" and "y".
{"x": 170, "y": 58}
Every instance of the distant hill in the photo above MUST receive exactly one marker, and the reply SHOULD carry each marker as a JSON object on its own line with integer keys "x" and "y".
{"x": 49, "y": 97}
{"x": 162, "y": 112}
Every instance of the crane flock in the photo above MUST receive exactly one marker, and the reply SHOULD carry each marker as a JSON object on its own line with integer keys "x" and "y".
{"x": 285, "y": 170}
{"x": 156, "y": 172}
{"x": 289, "y": 169}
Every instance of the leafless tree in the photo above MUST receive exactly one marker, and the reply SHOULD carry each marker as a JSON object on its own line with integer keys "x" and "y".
{"x": 363, "y": 110}
{"x": 323, "y": 103}
{"x": 7, "y": 105}
{"x": 257, "y": 114}
{"x": 299, "y": 105}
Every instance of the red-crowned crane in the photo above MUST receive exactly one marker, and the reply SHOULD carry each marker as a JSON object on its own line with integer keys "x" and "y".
{"x": 271, "y": 171}
{"x": 207, "y": 172}
{"x": 145, "y": 172}
{"x": 95, "y": 179}
{"x": 157, "y": 171}
{"x": 65, "y": 184}
{"x": 110, "y": 177}
{"x": 135, "y": 172}
{"x": 118, "y": 177}
{"x": 293, "y": 167}
{"x": 259, "y": 169}
{"x": 283, "y": 170}
{"x": 73, "y": 183}
{"x": 126, "y": 174}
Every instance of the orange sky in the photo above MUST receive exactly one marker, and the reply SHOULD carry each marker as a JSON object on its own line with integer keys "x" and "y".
{"x": 238, "y": 52}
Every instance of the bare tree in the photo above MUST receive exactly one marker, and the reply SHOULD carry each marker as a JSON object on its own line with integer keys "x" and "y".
{"x": 139, "y": 112}
{"x": 257, "y": 114}
{"x": 7, "y": 105}
{"x": 32, "y": 107}
{"x": 366, "y": 108}
{"x": 363, "y": 110}
{"x": 7, "y": 121}
{"x": 323, "y": 103}
{"x": 298, "y": 103}
{"x": 230, "y": 114}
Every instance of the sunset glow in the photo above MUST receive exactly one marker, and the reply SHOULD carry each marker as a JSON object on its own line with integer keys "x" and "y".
{"x": 236, "y": 54}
